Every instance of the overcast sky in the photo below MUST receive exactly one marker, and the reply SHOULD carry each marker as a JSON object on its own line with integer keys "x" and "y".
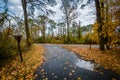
{"x": 86, "y": 15}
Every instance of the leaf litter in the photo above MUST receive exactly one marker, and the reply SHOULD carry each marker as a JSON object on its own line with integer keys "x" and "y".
{"x": 17, "y": 70}
{"x": 108, "y": 59}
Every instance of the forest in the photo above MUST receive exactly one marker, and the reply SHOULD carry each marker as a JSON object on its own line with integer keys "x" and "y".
{"x": 36, "y": 23}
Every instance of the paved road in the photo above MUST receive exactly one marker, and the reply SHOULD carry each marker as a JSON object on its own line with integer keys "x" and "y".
{"x": 62, "y": 64}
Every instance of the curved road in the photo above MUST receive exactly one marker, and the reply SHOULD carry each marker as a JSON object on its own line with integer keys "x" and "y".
{"x": 62, "y": 64}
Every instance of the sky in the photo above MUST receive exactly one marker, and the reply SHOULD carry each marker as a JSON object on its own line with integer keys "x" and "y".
{"x": 86, "y": 16}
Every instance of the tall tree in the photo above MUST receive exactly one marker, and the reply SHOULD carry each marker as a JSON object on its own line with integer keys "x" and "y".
{"x": 34, "y": 29}
{"x": 113, "y": 20}
{"x": 32, "y": 5}
{"x": 106, "y": 17}
{"x": 62, "y": 25}
{"x": 28, "y": 38}
{"x": 99, "y": 4}
{"x": 68, "y": 7}
{"x": 100, "y": 24}
{"x": 74, "y": 29}
{"x": 79, "y": 31}
{"x": 52, "y": 26}
{"x": 43, "y": 21}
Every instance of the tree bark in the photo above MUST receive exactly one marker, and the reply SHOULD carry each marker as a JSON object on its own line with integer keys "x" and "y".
{"x": 28, "y": 38}
{"x": 44, "y": 33}
{"x": 67, "y": 29}
{"x": 99, "y": 21}
{"x": 79, "y": 30}
{"x": 44, "y": 29}
{"x": 106, "y": 20}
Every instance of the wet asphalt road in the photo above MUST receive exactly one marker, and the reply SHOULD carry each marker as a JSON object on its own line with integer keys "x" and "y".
{"x": 62, "y": 64}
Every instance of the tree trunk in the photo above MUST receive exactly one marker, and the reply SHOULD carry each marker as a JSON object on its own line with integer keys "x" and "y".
{"x": 106, "y": 20}
{"x": 38, "y": 32}
{"x": 79, "y": 31}
{"x": 43, "y": 34}
{"x": 67, "y": 30}
{"x": 28, "y": 38}
{"x": 64, "y": 34}
{"x": 99, "y": 21}
{"x": 44, "y": 29}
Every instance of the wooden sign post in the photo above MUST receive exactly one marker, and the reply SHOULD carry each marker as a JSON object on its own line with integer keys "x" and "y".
{"x": 18, "y": 39}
